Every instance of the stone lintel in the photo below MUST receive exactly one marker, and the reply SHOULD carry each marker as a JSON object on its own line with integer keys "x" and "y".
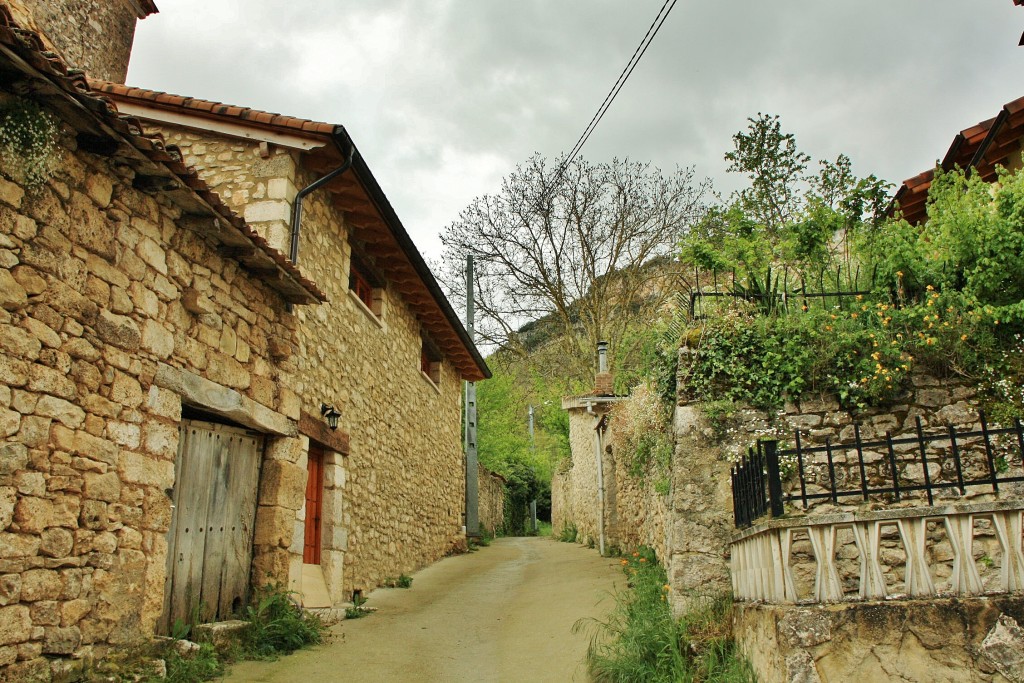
{"x": 219, "y": 400}
{"x": 315, "y": 428}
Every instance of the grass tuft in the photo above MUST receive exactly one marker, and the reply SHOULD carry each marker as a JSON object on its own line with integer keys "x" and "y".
{"x": 641, "y": 642}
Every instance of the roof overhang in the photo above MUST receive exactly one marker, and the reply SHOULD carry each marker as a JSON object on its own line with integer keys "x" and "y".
{"x": 26, "y": 67}
{"x": 372, "y": 221}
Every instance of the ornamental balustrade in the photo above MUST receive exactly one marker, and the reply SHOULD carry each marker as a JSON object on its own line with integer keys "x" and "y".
{"x": 957, "y": 550}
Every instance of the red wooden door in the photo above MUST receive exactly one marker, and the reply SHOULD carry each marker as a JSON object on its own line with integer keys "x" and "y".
{"x": 314, "y": 505}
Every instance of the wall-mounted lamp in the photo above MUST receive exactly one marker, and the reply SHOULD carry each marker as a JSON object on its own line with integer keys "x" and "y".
{"x": 330, "y": 414}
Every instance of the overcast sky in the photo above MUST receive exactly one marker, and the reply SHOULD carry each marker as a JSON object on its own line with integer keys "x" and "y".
{"x": 444, "y": 98}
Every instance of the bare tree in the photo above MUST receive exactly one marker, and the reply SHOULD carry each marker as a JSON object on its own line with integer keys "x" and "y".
{"x": 571, "y": 254}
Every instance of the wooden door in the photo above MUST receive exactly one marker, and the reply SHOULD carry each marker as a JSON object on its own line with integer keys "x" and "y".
{"x": 216, "y": 478}
{"x": 314, "y": 505}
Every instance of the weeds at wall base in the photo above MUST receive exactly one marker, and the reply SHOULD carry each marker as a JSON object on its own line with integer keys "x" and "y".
{"x": 640, "y": 641}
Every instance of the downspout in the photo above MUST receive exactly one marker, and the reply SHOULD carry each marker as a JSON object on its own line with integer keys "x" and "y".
{"x": 340, "y": 139}
{"x": 598, "y": 452}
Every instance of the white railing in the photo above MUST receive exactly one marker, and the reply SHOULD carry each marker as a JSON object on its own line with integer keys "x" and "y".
{"x": 763, "y": 558}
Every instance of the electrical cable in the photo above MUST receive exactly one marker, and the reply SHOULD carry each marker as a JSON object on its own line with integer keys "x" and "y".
{"x": 627, "y": 71}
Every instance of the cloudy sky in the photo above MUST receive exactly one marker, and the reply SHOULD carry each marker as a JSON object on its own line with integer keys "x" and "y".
{"x": 444, "y": 98}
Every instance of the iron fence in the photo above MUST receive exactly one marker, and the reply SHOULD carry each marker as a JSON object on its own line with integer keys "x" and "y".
{"x": 782, "y": 289}
{"x": 757, "y": 480}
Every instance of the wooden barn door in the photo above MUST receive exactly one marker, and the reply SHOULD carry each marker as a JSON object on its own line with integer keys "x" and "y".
{"x": 216, "y": 478}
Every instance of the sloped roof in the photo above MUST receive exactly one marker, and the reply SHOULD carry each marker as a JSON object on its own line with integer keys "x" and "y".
{"x": 981, "y": 147}
{"x": 366, "y": 208}
{"x": 159, "y": 170}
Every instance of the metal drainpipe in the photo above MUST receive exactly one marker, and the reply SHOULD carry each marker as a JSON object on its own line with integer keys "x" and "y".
{"x": 338, "y": 136}
{"x": 598, "y": 452}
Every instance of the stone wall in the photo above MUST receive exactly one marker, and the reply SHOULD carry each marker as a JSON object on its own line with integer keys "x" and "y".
{"x": 634, "y": 512}
{"x": 109, "y": 315}
{"x": 491, "y": 500}
{"x": 574, "y": 496}
{"x": 90, "y": 35}
{"x": 398, "y": 500}
{"x": 917, "y": 641}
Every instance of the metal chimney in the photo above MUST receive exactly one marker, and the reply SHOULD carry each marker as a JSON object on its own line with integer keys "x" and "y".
{"x": 602, "y": 356}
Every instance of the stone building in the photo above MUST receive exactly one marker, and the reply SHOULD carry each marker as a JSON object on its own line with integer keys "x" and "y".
{"x": 386, "y": 349}
{"x": 164, "y": 367}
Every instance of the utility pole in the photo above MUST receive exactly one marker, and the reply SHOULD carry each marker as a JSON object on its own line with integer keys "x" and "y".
{"x": 472, "y": 473}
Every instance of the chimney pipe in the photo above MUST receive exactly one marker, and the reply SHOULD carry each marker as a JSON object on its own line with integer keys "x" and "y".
{"x": 602, "y": 356}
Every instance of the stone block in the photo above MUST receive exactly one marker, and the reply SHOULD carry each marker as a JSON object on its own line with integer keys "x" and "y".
{"x": 32, "y": 515}
{"x": 11, "y": 194}
{"x": 56, "y": 542}
{"x": 118, "y": 330}
{"x": 10, "y": 589}
{"x": 136, "y": 468}
{"x": 40, "y": 584}
{"x": 157, "y": 339}
{"x": 33, "y": 283}
{"x": 272, "y": 210}
{"x": 100, "y": 188}
{"x": 45, "y": 613}
{"x": 126, "y": 391}
{"x": 49, "y": 381}
{"x": 61, "y": 641}
{"x": 12, "y": 295}
{"x": 13, "y": 457}
{"x": 283, "y": 484}
{"x": 105, "y": 487}
{"x": 15, "y": 624}
{"x": 274, "y": 526}
{"x": 160, "y": 439}
{"x": 30, "y": 483}
{"x": 164, "y": 403}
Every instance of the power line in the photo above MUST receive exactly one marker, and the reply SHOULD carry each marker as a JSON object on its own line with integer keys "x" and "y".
{"x": 638, "y": 54}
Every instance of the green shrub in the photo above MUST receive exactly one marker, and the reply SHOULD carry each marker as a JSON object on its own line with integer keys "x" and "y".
{"x": 568, "y": 533}
{"x": 277, "y": 625}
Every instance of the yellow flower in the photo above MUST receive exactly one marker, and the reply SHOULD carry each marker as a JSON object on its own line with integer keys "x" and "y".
{"x": 963, "y": 337}
{"x": 854, "y": 315}
{"x": 899, "y": 273}
{"x": 929, "y": 288}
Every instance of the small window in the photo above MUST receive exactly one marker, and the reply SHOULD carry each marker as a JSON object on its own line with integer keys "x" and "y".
{"x": 362, "y": 287}
{"x": 430, "y": 362}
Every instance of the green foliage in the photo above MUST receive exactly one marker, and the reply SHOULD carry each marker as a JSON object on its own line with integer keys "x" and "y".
{"x": 568, "y": 533}
{"x": 203, "y": 664}
{"x": 403, "y": 581}
{"x": 949, "y": 294}
{"x": 358, "y": 609}
{"x": 521, "y": 487}
{"x": 641, "y": 642}
{"x": 641, "y": 433}
{"x": 28, "y": 137}
{"x": 277, "y": 625}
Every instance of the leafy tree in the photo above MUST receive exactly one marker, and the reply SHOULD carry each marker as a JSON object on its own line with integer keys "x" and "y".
{"x": 787, "y": 216}
{"x": 575, "y": 246}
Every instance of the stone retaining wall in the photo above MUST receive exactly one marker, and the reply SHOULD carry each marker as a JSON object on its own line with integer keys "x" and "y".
{"x": 917, "y": 641}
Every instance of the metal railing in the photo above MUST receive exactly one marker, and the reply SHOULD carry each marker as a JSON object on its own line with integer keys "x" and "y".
{"x": 757, "y": 480}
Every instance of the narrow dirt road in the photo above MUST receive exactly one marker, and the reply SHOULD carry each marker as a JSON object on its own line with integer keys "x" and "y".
{"x": 502, "y": 614}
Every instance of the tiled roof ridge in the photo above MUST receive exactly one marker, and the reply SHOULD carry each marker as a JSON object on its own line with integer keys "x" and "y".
{"x": 165, "y": 100}
{"x": 28, "y": 46}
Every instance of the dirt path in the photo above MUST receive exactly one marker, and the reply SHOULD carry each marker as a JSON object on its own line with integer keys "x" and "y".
{"x": 504, "y": 613}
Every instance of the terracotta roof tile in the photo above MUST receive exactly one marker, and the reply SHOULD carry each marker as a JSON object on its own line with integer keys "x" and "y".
{"x": 27, "y": 46}
{"x": 982, "y": 147}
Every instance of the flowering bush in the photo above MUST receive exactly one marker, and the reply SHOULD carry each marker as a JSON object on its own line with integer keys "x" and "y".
{"x": 28, "y": 141}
